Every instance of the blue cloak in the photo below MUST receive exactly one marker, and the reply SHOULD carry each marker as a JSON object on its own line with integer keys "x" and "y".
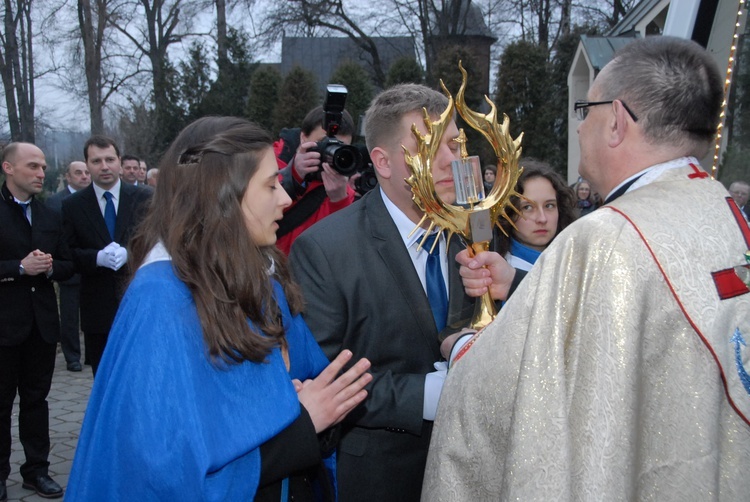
{"x": 163, "y": 422}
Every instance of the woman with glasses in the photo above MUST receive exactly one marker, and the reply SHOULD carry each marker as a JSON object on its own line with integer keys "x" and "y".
{"x": 587, "y": 200}
{"x": 200, "y": 393}
{"x": 546, "y": 208}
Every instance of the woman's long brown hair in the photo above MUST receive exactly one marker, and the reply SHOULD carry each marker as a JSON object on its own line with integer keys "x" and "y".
{"x": 196, "y": 214}
{"x": 566, "y": 199}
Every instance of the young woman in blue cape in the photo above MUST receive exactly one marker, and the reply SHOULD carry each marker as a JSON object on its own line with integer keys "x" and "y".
{"x": 211, "y": 386}
{"x": 548, "y": 207}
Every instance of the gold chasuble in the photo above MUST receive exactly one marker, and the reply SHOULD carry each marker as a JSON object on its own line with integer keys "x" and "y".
{"x": 617, "y": 370}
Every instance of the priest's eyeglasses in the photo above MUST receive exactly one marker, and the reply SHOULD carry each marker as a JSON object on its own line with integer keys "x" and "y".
{"x": 581, "y": 108}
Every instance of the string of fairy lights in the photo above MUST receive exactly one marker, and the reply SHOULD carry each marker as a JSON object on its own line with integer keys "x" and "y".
{"x": 727, "y": 82}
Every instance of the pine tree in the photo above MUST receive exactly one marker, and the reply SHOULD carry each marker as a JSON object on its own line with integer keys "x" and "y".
{"x": 524, "y": 87}
{"x": 359, "y": 85}
{"x": 138, "y": 130}
{"x": 299, "y": 95}
{"x": 228, "y": 93}
{"x": 194, "y": 81}
{"x": 734, "y": 165}
{"x": 446, "y": 69}
{"x": 263, "y": 96}
{"x": 404, "y": 70}
{"x": 169, "y": 117}
{"x": 562, "y": 59}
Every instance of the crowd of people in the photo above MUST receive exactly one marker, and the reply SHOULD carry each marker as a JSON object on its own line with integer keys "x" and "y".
{"x": 227, "y": 370}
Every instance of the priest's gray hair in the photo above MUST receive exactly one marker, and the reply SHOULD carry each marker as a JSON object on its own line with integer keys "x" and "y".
{"x": 672, "y": 85}
{"x": 383, "y": 117}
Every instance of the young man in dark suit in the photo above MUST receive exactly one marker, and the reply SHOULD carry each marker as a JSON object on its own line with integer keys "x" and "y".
{"x": 365, "y": 281}
{"x": 77, "y": 177}
{"x": 30, "y": 246}
{"x": 98, "y": 222}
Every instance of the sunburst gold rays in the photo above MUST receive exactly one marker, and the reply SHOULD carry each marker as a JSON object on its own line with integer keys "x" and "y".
{"x": 444, "y": 216}
{"x": 507, "y": 150}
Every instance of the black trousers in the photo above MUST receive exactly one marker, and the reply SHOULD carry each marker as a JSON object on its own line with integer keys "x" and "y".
{"x": 70, "y": 335}
{"x": 95, "y": 343}
{"x": 27, "y": 369}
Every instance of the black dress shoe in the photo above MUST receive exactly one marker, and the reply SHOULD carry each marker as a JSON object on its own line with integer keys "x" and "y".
{"x": 75, "y": 366}
{"x": 3, "y": 492}
{"x": 44, "y": 486}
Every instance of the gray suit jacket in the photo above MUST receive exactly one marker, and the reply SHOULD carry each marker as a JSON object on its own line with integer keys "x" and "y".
{"x": 363, "y": 294}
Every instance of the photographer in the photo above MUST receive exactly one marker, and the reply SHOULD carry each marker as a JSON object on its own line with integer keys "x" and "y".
{"x": 316, "y": 189}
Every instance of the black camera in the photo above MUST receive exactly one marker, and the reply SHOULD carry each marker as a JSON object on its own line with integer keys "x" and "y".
{"x": 344, "y": 159}
{"x": 368, "y": 180}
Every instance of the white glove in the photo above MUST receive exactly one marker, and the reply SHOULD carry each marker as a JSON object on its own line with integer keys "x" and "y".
{"x": 107, "y": 257}
{"x": 432, "y": 389}
{"x": 111, "y": 247}
{"x": 121, "y": 257}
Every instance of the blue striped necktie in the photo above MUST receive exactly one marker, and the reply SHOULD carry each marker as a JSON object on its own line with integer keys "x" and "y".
{"x": 436, "y": 292}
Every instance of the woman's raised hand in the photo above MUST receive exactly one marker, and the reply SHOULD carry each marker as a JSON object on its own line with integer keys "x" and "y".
{"x": 331, "y": 396}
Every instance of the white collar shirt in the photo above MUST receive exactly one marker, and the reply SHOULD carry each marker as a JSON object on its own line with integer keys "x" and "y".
{"x": 115, "y": 191}
{"x": 418, "y": 255}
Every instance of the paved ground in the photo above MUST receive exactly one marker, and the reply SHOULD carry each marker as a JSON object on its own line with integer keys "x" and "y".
{"x": 67, "y": 404}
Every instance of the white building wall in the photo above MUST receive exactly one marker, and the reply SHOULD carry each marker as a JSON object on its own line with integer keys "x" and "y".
{"x": 580, "y": 79}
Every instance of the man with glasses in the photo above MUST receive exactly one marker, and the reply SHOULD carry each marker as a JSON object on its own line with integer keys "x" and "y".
{"x": 618, "y": 369}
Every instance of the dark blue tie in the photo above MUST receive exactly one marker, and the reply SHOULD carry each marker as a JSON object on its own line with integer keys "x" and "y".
{"x": 436, "y": 292}
{"x": 25, "y": 209}
{"x": 110, "y": 217}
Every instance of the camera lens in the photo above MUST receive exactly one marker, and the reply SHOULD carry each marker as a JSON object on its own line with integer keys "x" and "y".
{"x": 366, "y": 182}
{"x": 345, "y": 160}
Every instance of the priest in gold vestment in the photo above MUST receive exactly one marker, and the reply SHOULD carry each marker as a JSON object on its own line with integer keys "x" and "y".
{"x": 618, "y": 370}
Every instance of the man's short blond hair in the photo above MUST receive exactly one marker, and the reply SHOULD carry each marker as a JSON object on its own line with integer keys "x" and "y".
{"x": 383, "y": 118}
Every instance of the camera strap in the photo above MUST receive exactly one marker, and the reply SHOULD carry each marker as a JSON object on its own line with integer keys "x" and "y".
{"x": 302, "y": 210}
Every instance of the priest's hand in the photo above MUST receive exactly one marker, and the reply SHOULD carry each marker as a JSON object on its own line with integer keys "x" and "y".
{"x": 331, "y": 396}
{"x": 486, "y": 270}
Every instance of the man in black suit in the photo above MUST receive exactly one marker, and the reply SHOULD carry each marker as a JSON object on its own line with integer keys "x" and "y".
{"x": 77, "y": 178}
{"x": 30, "y": 245}
{"x": 365, "y": 283}
{"x": 98, "y": 222}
